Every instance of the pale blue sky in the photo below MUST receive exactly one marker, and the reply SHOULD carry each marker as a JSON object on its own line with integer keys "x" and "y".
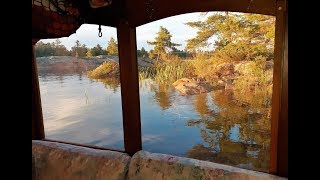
{"x": 88, "y": 34}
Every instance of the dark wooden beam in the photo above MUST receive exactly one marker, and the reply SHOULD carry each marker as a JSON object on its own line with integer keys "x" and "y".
{"x": 37, "y": 119}
{"x": 129, "y": 87}
{"x": 282, "y": 162}
{"x": 144, "y": 11}
{"x": 140, "y": 12}
{"x": 107, "y": 16}
{"x": 279, "y": 119}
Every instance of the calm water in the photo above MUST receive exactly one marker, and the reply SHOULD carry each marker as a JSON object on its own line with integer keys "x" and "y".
{"x": 205, "y": 126}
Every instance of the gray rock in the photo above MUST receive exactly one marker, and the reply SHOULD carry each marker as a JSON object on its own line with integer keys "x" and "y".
{"x": 188, "y": 86}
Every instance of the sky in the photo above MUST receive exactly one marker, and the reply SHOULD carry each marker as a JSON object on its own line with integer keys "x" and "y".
{"x": 88, "y": 34}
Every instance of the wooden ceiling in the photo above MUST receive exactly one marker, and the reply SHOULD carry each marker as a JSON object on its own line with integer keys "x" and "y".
{"x": 133, "y": 12}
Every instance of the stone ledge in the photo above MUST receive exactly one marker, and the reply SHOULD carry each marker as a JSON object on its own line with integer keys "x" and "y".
{"x": 54, "y": 160}
{"x": 145, "y": 165}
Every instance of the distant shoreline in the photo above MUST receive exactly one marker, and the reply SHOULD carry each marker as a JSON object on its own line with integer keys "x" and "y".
{"x": 70, "y": 64}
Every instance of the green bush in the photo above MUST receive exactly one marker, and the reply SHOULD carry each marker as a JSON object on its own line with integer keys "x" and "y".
{"x": 105, "y": 70}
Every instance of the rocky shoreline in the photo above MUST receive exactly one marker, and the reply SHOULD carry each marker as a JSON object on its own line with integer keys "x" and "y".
{"x": 70, "y": 64}
{"x": 222, "y": 78}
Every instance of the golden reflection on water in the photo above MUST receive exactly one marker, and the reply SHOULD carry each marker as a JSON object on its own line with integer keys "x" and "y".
{"x": 235, "y": 132}
{"x": 248, "y": 112}
{"x": 251, "y": 147}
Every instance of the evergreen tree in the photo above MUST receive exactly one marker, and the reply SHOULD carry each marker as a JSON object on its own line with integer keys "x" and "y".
{"x": 238, "y": 36}
{"x": 44, "y": 49}
{"x": 97, "y": 50}
{"x": 162, "y": 43}
{"x": 179, "y": 53}
{"x": 60, "y": 49}
{"x": 89, "y": 53}
{"x": 79, "y": 50}
{"x": 142, "y": 53}
{"x": 151, "y": 54}
{"x": 112, "y": 47}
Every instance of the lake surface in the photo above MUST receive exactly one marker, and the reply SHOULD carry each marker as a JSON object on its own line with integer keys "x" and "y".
{"x": 205, "y": 126}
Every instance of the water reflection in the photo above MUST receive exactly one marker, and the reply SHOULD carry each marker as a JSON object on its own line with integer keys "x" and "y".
{"x": 201, "y": 106}
{"x": 111, "y": 83}
{"x": 234, "y": 135}
{"x": 213, "y": 126}
{"x": 81, "y": 110}
{"x": 233, "y": 132}
{"x": 162, "y": 95}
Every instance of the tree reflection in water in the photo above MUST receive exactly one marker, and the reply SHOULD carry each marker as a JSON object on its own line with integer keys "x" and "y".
{"x": 200, "y": 105}
{"x": 234, "y": 135}
{"x": 162, "y": 95}
{"x": 111, "y": 83}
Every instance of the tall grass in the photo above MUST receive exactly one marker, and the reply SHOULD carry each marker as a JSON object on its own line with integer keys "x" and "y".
{"x": 146, "y": 72}
{"x": 171, "y": 71}
{"x": 166, "y": 72}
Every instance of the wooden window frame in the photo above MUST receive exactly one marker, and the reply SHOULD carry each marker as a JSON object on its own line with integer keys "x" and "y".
{"x": 126, "y": 32}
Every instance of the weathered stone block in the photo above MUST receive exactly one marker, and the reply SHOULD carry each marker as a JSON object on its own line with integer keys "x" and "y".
{"x": 155, "y": 166}
{"x": 63, "y": 161}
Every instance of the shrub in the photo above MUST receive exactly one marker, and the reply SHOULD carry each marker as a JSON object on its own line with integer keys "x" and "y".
{"x": 105, "y": 70}
{"x": 254, "y": 85}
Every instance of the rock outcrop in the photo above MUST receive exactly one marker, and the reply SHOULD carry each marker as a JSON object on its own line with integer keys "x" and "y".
{"x": 188, "y": 86}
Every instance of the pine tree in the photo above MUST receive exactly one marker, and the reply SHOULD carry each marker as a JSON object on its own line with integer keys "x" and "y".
{"x": 60, "y": 49}
{"x": 44, "y": 49}
{"x": 77, "y": 44}
{"x": 142, "y": 53}
{"x": 79, "y": 50}
{"x": 238, "y": 36}
{"x": 57, "y": 42}
{"x": 97, "y": 50}
{"x": 89, "y": 53}
{"x": 162, "y": 42}
{"x": 151, "y": 54}
{"x": 112, "y": 47}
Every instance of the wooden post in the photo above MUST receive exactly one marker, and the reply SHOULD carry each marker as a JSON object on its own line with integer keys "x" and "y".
{"x": 279, "y": 120}
{"x": 129, "y": 87}
{"x": 37, "y": 119}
